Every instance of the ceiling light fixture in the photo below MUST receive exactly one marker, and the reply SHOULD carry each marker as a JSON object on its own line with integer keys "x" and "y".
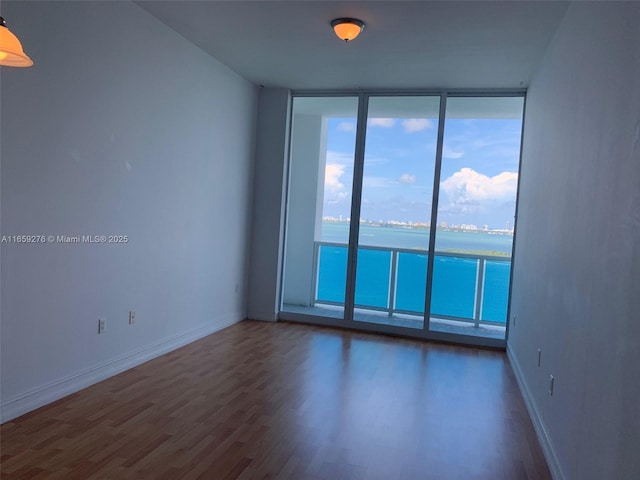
{"x": 11, "y": 53}
{"x": 347, "y": 28}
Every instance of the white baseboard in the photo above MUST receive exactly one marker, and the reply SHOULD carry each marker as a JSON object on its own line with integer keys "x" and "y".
{"x": 538, "y": 424}
{"x": 60, "y": 388}
{"x": 264, "y": 316}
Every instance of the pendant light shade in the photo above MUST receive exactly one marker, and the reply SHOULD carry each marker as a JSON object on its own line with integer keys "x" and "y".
{"x": 11, "y": 53}
{"x": 347, "y": 28}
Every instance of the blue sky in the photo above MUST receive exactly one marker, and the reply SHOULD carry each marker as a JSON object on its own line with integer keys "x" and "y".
{"x": 478, "y": 179}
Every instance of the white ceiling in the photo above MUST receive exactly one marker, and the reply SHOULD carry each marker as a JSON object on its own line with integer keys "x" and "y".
{"x": 406, "y": 44}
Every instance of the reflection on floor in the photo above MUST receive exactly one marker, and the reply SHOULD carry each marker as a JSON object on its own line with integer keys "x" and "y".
{"x": 263, "y": 400}
{"x": 401, "y": 320}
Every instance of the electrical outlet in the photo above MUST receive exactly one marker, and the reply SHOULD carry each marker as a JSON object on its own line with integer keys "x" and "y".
{"x": 539, "y": 357}
{"x": 132, "y": 317}
{"x": 514, "y": 321}
{"x": 102, "y": 325}
{"x": 551, "y": 382}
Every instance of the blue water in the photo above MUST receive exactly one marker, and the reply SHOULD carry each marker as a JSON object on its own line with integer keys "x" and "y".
{"x": 416, "y": 239}
{"x": 454, "y": 278}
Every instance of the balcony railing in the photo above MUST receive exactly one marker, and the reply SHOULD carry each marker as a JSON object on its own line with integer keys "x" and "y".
{"x": 467, "y": 287}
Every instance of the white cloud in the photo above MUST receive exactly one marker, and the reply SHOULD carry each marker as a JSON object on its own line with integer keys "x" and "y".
{"x": 337, "y": 199}
{"x": 382, "y": 122}
{"x": 468, "y": 187}
{"x": 416, "y": 124}
{"x": 407, "y": 178}
{"x": 332, "y": 174}
{"x": 339, "y": 158}
{"x": 347, "y": 127}
{"x": 337, "y": 171}
{"x": 372, "y": 159}
{"x": 448, "y": 152}
{"x": 375, "y": 182}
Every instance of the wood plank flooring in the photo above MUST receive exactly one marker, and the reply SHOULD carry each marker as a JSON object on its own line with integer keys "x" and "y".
{"x": 285, "y": 401}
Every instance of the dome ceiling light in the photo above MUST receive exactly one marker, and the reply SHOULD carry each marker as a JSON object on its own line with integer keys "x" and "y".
{"x": 347, "y": 28}
{"x": 11, "y": 53}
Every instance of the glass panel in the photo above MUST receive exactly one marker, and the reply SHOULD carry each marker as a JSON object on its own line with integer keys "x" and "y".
{"x": 411, "y": 282}
{"x": 332, "y": 274}
{"x": 454, "y": 281}
{"x": 476, "y": 208}
{"x": 397, "y": 190}
{"x": 495, "y": 296}
{"x": 372, "y": 279}
{"x": 321, "y": 175}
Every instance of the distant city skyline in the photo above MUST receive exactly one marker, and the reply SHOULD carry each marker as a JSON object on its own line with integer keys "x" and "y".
{"x": 478, "y": 181}
{"x": 508, "y": 227}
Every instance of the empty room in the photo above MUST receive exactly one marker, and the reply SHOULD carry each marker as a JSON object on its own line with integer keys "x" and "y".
{"x": 320, "y": 240}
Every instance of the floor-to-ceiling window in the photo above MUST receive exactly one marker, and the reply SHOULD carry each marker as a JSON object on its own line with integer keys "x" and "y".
{"x": 322, "y": 153}
{"x": 400, "y": 212}
{"x": 476, "y": 215}
{"x": 395, "y": 209}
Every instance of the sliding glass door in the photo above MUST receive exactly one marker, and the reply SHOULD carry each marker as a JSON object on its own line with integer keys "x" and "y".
{"x": 395, "y": 210}
{"x": 400, "y": 212}
{"x": 322, "y": 152}
{"x": 476, "y": 215}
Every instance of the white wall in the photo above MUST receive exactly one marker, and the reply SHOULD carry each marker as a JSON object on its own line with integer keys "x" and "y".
{"x": 576, "y": 292}
{"x": 121, "y": 127}
{"x": 272, "y": 142}
{"x": 308, "y": 153}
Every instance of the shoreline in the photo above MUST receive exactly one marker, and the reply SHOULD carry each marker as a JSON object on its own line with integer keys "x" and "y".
{"x": 408, "y": 226}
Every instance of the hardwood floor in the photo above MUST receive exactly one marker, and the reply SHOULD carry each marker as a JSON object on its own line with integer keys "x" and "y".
{"x": 285, "y": 401}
